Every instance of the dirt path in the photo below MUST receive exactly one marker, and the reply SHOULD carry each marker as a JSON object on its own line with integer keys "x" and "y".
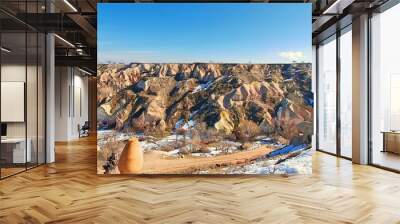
{"x": 154, "y": 163}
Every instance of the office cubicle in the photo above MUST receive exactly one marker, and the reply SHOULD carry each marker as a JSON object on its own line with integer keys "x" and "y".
{"x": 22, "y": 77}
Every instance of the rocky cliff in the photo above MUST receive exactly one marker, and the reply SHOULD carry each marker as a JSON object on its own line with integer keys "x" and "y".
{"x": 275, "y": 99}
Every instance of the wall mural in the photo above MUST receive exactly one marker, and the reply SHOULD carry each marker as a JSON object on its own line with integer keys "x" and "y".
{"x": 170, "y": 102}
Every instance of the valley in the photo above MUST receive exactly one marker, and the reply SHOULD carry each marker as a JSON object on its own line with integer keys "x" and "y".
{"x": 203, "y": 117}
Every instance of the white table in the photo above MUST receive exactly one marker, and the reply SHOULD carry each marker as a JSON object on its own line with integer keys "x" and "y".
{"x": 18, "y": 149}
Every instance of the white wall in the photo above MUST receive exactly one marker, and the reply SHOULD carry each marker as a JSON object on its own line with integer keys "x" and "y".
{"x": 61, "y": 103}
{"x": 12, "y": 73}
{"x": 33, "y": 126}
{"x": 80, "y": 110}
{"x": 17, "y": 73}
{"x": 70, "y": 83}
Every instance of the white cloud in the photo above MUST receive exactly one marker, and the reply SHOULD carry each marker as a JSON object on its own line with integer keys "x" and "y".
{"x": 125, "y": 56}
{"x": 292, "y": 56}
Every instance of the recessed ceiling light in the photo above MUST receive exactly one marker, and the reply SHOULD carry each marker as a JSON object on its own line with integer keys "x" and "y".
{"x": 338, "y": 6}
{"x": 5, "y": 50}
{"x": 64, "y": 40}
{"x": 70, "y": 5}
{"x": 86, "y": 72}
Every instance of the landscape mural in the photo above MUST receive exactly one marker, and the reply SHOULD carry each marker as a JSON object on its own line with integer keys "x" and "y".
{"x": 202, "y": 117}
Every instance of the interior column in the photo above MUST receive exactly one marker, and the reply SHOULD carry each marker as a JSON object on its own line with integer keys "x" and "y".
{"x": 360, "y": 90}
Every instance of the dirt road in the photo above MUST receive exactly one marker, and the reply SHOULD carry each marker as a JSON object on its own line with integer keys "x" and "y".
{"x": 156, "y": 163}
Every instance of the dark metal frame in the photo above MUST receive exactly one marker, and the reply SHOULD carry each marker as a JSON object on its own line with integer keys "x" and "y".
{"x": 316, "y": 97}
{"x": 45, "y": 90}
{"x": 0, "y": 88}
{"x": 338, "y": 98}
{"x": 26, "y": 88}
{"x": 369, "y": 78}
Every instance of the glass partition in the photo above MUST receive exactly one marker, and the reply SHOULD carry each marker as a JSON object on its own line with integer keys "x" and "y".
{"x": 13, "y": 94}
{"x": 31, "y": 98}
{"x": 346, "y": 93}
{"x": 41, "y": 96}
{"x": 22, "y": 88}
{"x": 327, "y": 96}
{"x": 385, "y": 89}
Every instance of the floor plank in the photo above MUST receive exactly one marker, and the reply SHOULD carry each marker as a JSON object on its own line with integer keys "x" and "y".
{"x": 69, "y": 191}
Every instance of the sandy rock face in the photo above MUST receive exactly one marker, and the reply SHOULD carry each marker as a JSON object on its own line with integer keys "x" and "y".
{"x": 122, "y": 116}
{"x": 225, "y": 123}
{"x": 154, "y": 112}
{"x": 275, "y": 97}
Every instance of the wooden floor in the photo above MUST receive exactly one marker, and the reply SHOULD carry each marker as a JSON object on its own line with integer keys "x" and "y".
{"x": 5, "y": 172}
{"x": 69, "y": 191}
{"x": 386, "y": 159}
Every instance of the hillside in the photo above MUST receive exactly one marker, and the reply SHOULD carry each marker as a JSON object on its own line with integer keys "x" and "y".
{"x": 235, "y": 100}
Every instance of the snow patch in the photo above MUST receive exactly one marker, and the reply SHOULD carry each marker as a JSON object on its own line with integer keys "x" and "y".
{"x": 181, "y": 124}
{"x": 202, "y": 87}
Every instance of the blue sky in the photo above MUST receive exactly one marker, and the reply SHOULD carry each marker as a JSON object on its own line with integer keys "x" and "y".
{"x": 184, "y": 33}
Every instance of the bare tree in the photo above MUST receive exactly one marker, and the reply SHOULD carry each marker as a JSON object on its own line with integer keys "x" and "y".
{"x": 185, "y": 117}
{"x": 247, "y": 130}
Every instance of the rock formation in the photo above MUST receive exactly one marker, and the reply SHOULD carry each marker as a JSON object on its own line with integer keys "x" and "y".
{"x": 276, "y": 97}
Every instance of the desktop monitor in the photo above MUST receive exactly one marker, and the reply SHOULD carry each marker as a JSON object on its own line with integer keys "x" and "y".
{"x": 3, "y": 130}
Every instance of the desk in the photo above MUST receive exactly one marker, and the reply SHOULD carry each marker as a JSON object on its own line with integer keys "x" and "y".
{"x": 391, "y": 141}
{"x": 13, "y": 150}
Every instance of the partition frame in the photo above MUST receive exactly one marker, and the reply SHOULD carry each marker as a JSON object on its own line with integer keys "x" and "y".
{"x": 44, "y": 94}
{"x": 337, "y": 35}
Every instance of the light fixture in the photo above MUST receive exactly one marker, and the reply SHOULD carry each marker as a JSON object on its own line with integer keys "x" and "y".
{"x": 337, "y": 7}
{"x": 70, "y": 5}
{"x": 64, "y": 40}
{"x": 79, "y": 51}
{"x": 5, "y": 50}
{"x": 84, "y": 71}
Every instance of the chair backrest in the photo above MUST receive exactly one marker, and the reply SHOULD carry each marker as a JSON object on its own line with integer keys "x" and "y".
{"x": 84, "y": 127}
